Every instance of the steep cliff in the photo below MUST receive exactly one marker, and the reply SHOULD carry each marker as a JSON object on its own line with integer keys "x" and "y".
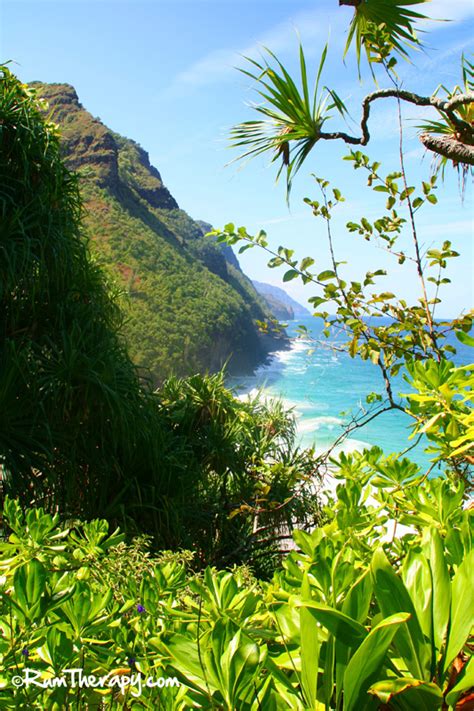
{"x": 279, "y": 302}
{"x": 188, "y": 305}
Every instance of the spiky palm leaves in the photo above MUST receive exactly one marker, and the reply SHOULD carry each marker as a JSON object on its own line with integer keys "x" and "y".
{"x": 293, "y": 119}
{"x": 293, "y": 116}
{"x": 246, "y": 478}
{"x": 396, "y": 16}
{"x": 453, "y": 136}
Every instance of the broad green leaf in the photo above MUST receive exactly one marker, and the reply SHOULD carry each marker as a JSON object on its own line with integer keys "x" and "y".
{"x": 285, "y": 690}
{"x": 441, "y": 586}
{"x": 465, "y": 338}
{"x": 242, "y": 657}
{"x": 368, "y": 661}
{"x": 329, "y": 664}
{"x": 186, "y": 660}
{"x": 418, "y": 581}
{"x": 462, "y": 609}
{"x": 29, "y": 582}
{"x": 290, "y": 275}
{"x": 393, "y": 597}
{"x": 357, "y": 601}
{"x": 309, "y": 648}
{"x": 348, "y": 631}
{"x": 304, "y": 541}
{"x": 325, "y": 275}
{"x": 356, "y": 605}
{"x": 411, "y": 693}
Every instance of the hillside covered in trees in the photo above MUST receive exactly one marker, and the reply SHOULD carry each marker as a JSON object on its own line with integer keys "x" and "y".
{"x": 189, "y": 306}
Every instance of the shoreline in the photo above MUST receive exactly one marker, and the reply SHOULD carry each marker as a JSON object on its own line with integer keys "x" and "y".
{"x": 307, "y": 427}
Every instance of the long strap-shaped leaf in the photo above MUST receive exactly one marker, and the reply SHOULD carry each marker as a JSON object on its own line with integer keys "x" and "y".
{"x": 462, "y": 609}
{"x": 393, "y": 597}
{"x": 366, "y": 664}
{"x": 309, "y": 649}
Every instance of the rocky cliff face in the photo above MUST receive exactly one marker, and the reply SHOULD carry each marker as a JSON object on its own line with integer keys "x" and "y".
{"x": 279, "y": 302}
{"x": 188, "y": 306}
{"x": 110, "y": 159}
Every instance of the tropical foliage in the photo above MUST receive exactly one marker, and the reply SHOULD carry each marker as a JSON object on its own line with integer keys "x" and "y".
{"x": 245, "y": 483}
{"x": 355, "y": 619}
{"x": 294, "y": 118}
{"x": 80, "y": 433}
{"x": 65, "y": 376}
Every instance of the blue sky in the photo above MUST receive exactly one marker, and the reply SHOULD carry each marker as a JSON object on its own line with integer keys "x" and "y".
{"x": 162, "y": 72}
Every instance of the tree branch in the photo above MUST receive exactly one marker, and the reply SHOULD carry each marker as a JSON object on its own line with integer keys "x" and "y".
{"x": 447, "y": 107}
{"x": 449, "y": 147}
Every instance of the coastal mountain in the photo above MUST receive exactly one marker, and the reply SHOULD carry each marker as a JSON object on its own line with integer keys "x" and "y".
{"x": 187, "y": 304}
{"x": 280, "y": 303}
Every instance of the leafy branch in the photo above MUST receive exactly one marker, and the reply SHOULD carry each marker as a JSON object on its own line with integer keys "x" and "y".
{"x": 294, "y": 118}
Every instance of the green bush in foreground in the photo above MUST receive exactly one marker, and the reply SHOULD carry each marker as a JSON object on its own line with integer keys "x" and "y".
{"x": 355, "y": 619}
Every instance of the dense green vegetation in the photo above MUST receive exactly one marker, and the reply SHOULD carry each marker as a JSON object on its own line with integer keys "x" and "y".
{"x": 373, "y": 608}
{"x": 65, "y": 375}
{"x": 79, "y": 431}
{"x": 188, "y": 306}
{"x": 354, "y": 619}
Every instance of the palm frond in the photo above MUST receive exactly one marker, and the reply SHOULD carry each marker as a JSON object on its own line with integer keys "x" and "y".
{"x": 464, "y": 112}
{"x": 397, "y": 17}
{"x": 293, "y": 116}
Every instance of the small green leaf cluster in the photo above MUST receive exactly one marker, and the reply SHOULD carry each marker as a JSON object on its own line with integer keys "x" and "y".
{"x": 441, "y": 403}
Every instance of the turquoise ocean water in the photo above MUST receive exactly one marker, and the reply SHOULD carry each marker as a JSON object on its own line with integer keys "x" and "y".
{"x": 324, "y": 386}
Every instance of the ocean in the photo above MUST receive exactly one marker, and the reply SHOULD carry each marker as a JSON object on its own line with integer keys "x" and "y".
{"x": 323, "y": 387}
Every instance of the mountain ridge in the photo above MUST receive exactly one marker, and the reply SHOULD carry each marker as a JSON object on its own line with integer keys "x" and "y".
{"x": 280, "y": 302}
{"x": 188, "y": 306}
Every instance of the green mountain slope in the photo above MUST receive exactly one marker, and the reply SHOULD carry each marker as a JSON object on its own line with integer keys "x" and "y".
{"x": 188, "y": 305}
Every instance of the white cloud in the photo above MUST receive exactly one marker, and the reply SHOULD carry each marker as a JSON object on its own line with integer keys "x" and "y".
{"x": 455, "y": 10}
{"x": 219, "y": 64}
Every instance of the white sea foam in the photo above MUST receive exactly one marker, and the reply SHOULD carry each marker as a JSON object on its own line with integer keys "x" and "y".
{"x": 298, "y": 346}
{"x": 248, "y": 394}
{"x": 348, "y": 446}
{"x": 313, "y": 424}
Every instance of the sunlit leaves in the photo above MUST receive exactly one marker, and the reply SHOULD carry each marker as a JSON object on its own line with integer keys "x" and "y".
{"x": 293, "y": 116}
{"x": 380, "y": 26}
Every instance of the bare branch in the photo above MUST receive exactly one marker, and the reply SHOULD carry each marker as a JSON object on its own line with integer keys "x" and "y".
{"x": 447, "y": 107}
{"x": 449, "y": 147}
